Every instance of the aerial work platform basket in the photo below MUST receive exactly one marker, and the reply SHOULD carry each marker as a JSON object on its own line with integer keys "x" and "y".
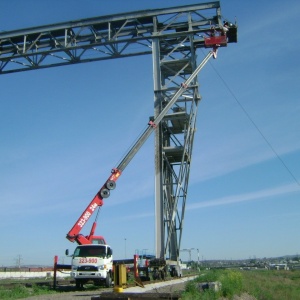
{"x": 221, "y": 36}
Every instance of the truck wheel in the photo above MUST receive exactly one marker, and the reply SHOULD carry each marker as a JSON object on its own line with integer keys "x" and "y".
{"x": 155, "y": 275}
{"x": 108, "y": 281}
{"x": 173, "y": 272}
{"x": 79, "y": 284}
{"x": 97, "y": 283}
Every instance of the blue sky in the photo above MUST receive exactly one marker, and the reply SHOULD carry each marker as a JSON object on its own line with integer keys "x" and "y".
{"x": 63, "y": 129}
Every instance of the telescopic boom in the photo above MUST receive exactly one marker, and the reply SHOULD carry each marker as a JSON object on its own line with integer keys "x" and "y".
{"x": 110, "y": 184}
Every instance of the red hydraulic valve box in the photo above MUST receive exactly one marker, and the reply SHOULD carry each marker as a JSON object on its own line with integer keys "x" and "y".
{"x": 213, "y": 41}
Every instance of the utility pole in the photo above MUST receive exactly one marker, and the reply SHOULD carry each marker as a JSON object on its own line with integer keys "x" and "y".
{"x": 125, "y": 247}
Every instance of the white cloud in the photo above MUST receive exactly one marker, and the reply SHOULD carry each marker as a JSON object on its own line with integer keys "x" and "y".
{"x": 258, "y": 195}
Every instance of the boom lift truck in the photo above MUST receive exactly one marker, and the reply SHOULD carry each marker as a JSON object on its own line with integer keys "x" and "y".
{"x": 86, "y": 265}
{"x": 110, "y": 184}
{"x": 174, "y": 34}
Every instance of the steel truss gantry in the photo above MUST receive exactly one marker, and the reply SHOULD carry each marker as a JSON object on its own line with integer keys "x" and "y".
{"x": 172, "y": 36}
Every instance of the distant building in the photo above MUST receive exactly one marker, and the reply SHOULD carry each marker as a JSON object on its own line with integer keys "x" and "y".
{"x": 278, "y": 267}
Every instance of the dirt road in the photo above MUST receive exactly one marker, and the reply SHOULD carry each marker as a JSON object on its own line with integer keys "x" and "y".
{"x": 69, "y": 293}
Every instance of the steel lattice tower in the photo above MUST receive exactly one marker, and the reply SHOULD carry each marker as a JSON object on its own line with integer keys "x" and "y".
{"x": 172, "y": 36}
{"x": 173, "y": 63}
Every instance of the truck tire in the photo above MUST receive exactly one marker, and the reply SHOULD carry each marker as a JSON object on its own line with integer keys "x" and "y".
{"x": 173, "y": 272}
{"x": 108, "y": 281}
{"x": 155, "y": 274}
{"x": 79, "y": 284}
{"x": 98, "y": 283}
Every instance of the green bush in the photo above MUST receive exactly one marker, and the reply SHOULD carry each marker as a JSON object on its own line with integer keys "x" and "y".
{"x": 209, "y": 276}
{"x": 193, "y": 292}
{"x": 232, "y": 283}
{"x": 262, "y": 284}
{"x": 20, "y": 291}
{"x": 17, "y": 292}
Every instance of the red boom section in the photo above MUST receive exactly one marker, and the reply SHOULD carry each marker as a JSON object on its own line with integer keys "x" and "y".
{"x": 74, "y": 234}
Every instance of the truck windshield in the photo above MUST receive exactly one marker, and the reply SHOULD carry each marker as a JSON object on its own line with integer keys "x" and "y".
{"x": 86, "y": 251}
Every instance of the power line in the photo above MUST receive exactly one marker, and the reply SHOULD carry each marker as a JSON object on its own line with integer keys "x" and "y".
{"x": 254, "y": 124}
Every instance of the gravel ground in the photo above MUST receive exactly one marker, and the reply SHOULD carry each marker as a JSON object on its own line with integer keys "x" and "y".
{"x": 87, "y": 295}
{"x": 80, "y": 295}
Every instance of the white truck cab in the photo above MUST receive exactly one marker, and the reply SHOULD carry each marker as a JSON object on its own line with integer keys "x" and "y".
{"x": 92, "y": 263}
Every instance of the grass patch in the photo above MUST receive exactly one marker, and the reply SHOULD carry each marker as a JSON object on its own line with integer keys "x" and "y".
{"x": 20, "y": 291}
{"x": 273, "y": 285}
{"x": 261, "y": 284}
{"x": 14, "y": 289}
